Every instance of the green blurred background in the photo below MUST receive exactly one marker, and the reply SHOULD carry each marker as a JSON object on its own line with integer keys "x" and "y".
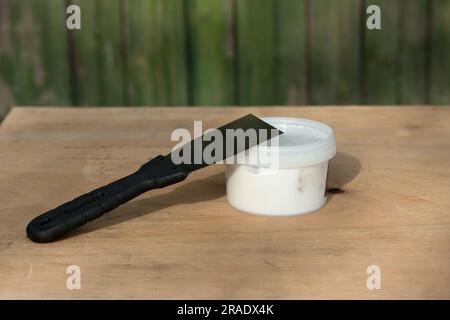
{"x": 224, "y": 52}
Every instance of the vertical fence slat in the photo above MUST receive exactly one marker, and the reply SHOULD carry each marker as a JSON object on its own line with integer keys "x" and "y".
{"x": 381, "y": 49}
{"x": 8, "y": 55}
{"x": 213, "y": 52}
{"x": 411, "y": 54}
{"x": 52, "y": 50}
{"x": 157, "y": 63}
{"x": 33, "y": 65}
{"x": 440, "y": 56}
{"x": 85, "y": 64}
{"x": 140, "y": 28}
{"x": 72, "y": 66}
{"x": 124, "y": 35}
{"x": 22, "y": 74}
{"x": 188, "y": 51}
{"x": 109, "y": 55}
{"x": 257, "y": 52}
{"x": 428, "y": 50}
{"x": 308, "y": 51}
{"x": 362, "y": 89}
{"x": 335, "y": 35}
{"x": 6, "y": 90}
{"x": 98, "y": 58}
{"x": 291, "y": 53}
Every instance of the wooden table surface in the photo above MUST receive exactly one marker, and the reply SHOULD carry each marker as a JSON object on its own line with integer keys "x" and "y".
{"x": 393, "y": 164}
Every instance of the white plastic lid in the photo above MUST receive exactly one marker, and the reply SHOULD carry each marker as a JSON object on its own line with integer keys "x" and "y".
{"x": 303, "y": 143}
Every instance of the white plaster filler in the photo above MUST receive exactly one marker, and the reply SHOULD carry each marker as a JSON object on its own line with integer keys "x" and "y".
{"x": 296, "y": 182}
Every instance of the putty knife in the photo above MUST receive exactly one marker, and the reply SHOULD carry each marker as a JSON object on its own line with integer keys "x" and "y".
{"x": 157, "y": 173}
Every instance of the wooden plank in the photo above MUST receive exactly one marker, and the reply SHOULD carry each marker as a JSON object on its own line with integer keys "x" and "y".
{"x": 110, "y": 62}
{"x": 186, "y": 242}
{"x": 21, "y": 68}
{"x": 98, "y": 55}
{"x": 411, "y": 82}
{"x": 50, "y": 22}
{"x": 142, "y": 88}
{"x": 291, "y": 52}
{"x": 257, "y": 52}
{"x": 440, "y": 47}
{"x": 6, "y": 95}
{"x": 33, "y": 56}
{"x": 335, "y": 30}
{"x": 157, "y": 66}
{"x": 381, "y": 52}
{"x": 85, "y": 48}
{"x": 213, "y": 52}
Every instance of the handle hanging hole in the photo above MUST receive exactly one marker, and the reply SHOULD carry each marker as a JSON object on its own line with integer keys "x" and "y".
{"x": 45, "y": 221}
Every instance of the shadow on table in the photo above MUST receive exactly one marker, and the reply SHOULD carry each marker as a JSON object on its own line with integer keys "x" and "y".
{"x": 343, "y": 169}
{"x": 190, "y": 192}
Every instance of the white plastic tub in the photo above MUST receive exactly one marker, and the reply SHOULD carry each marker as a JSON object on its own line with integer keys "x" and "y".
{"x": 296, "y": 182}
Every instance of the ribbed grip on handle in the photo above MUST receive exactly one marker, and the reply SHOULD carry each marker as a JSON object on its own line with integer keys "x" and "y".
{"x": 54, "y": 224}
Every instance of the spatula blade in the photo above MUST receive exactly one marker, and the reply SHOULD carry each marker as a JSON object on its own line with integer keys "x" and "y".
{"x": 196, "y": 147}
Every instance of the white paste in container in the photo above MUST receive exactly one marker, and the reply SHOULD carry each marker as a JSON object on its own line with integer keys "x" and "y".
{"x": 296, "y": 183}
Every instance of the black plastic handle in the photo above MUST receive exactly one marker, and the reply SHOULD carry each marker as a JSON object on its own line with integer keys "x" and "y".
{"x": 54, "y": 224}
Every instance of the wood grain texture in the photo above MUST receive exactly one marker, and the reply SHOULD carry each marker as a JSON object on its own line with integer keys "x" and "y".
{"x": 223, "y": 52}
{"x": 381, "y": 49}
{"x": 33, "y": 53}
{"x": 395, "y": 70}
{"x": 86, "y": 44}
{"x": 214, "y": 53}
{"x": 187, "y": 242}
{"x": 290, "y": 46}
{"x": 411, "y": 81}
{"x": 98, "y": 55}
{"x": 157, "y": 61}
{"x": 334, "y": 34}
{"x": 440, "y": 51}
{"x": 109, "y": 59}
{"x": 257, "y": 25}
{"x": 51, "y": 50}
